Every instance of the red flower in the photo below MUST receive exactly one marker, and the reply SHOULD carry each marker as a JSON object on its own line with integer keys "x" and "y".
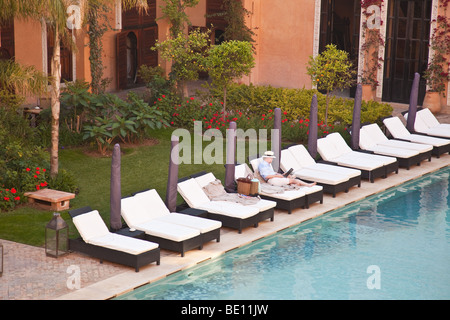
{"x": 6, "y": 198}
{"x": 28, "y": 169}
{"x": 37, "y": 187}
{"x": 17, "y": 198}
{"x": 13, "y": 190}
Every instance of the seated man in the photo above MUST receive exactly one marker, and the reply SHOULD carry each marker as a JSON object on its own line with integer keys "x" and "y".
{"x": 277, "y": 179}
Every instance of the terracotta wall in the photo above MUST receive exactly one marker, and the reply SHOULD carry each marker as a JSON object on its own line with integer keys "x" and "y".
{"x": 284, "y": 42}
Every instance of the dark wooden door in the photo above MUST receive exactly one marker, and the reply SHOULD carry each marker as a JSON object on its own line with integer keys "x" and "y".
{"x": 406, "y": 51}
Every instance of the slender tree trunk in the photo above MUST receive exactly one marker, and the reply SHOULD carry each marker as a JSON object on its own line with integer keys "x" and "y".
{"x": 326, "y": 109}
{"x": 224, "y": 101}
{"x": 55, "y": 104}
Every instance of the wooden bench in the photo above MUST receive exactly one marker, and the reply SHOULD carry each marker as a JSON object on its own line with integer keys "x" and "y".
{"x": 50, "y": 199}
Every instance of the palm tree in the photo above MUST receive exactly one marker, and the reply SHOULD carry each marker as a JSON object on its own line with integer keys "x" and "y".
{"x": 54, "y": 14}
{"x": 20, "y": 79}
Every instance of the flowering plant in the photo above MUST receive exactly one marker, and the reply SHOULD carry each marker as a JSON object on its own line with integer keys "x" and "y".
{"x": 9, "y": 198}
{"x": 437, "y": 72}
{"x": 31, "y": 179}
{"x": 372, "y": 42}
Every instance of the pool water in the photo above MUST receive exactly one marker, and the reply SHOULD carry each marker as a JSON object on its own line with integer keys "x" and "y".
{"x": 393, "y": 245}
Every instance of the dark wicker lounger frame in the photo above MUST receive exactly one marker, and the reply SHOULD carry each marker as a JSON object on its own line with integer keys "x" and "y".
{"x": 235, "y": 222}
{"x": 185, "y": 245}
{"x": 131, "y": 260}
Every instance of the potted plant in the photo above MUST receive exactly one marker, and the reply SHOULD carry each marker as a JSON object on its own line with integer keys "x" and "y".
{"x": 437, "y": 74}
{"x": 331, "y": 70}
{"x": 372, "y": 41}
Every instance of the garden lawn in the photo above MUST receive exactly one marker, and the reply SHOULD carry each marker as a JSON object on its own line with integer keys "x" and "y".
{"x": 144, "y": 167}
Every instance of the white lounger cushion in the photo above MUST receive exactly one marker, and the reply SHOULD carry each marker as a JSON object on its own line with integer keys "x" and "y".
{"x": 94, "y": 231}
{"x": 133, "y": 212}
{"x": 262, "y": 204}
{"x": 158, "y": 210}
{"x": 289, "y": 161}
{"x": 371, "y": 135}
{"x": 426, "y": 123}
{"x": 331, "y": 150}
{"x": 229, "y": 209}
{"x": 123, "y": 243}
{"x": 426, "y": 119}
{"x": 340, "y": 143}
{"x": 195, "y": 197}
{"x": 192, "y": 193}
{"x": 399, "y": 131}
{"x": 202, "y": 224}
{"x": 167, "y": 230}
{"x": 370, "y": 140}
{"x": 429, "y": 119}
{"x": 306, "y": 161}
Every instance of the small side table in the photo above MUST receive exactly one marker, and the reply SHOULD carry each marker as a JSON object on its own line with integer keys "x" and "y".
{"x": 50, "y": 199}
{"x": 195, "y": 212}
{"x": 138, "y": 234}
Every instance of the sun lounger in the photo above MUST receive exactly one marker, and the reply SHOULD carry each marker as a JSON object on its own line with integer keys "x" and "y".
{"x": 334, "y": 149}
{"x": 398, "y": 131}
{"x": 426, "y": 123}
{"x": 97, "y": 241}
{"x": 178, "y": 232}
{"x": 232, "y": 215}
{"x": 287, "y": 200}
{"x": 371, "y": 138}
{"x": 332, "y": 178}
{"x": 169, "y": 235}
{"x": 312, "y": 194}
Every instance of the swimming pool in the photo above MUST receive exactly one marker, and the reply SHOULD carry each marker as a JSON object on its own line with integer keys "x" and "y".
{"x": 393, "y": 245}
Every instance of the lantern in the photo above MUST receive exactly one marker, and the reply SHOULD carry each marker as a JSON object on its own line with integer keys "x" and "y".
{"x": 1, "y": 259}
{"x": 56, "y": 237}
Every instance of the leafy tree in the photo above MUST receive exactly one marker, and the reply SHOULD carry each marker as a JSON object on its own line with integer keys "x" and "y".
{"x": 54, "y": 14}
{"x": 234, "y": 15}
{"x": 174, "y": 10}
{"x": 331, "y": 70}
{"x": 187, "y": 54}
{"x": 227, "y": 62}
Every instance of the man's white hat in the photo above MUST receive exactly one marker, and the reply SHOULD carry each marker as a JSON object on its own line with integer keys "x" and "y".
{"x": 268, "y": 154}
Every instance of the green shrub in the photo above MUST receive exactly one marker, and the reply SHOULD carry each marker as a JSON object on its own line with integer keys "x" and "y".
{"x": 297, "y": 102}
{"x": 64, "y": 181}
